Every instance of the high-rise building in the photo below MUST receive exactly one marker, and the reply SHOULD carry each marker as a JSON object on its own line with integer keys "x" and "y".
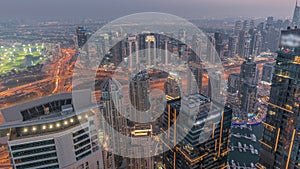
{"x": 211, "y": 43}
{"x": 233, "y": 83}
{"x": 206, "y": 145}
{"x": 150, "y": 41}
{"x": 261, "y": 27}
{"x": 47, "y": 133}
{"x": 248, "y": 88}
{"x": 267, "y": 73}
{"x": 133, "y": 52}
{"x": 219, "y": 43}
{"x": 280, "y": 140}
{"x": 195, "y": 83}
{"x": 270, "y": 22}
{"x": 140, "y": 91}
{"x": 271, "y": 38}
{"x": 252, "y": 24}
{"x": 173, "y": 86}
{"x": 296, "y": 16}
{"x": 111, "y": 108}
{"x": 140, "y": 100}
{"x": 232, "y": 46}
{"x": 81, "y": 36}
{"x": 214, "y": 85}
{"x": 237, "y": 27}
{"x": 246, "y": 25}
{"x": 244, "y": 44}
{"x": 143, "y": 160}
{"x": 256, "y": 43}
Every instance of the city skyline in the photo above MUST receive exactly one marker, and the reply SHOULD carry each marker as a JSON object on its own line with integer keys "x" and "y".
{"x": 150, "y": 90}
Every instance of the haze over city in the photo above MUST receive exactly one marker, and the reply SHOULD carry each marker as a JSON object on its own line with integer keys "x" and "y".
{"x": 111, "y": 9}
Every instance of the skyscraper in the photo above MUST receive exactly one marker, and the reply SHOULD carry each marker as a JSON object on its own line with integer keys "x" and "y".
{"x": 214, "y": 85}
{"x": 244, "y": 44}
{"x": 133, "y": 52}
{"x": 219, "y": 43}
{"x": 232, "y": 46}
{"x": 195, "y": 84}
{"x": 150, "y": 41}
{"x": 248, "y": 88}
{"x": 202, "y": 147}
{"x": 233, "y": 83}
{"x": 81, "y": 36}
{"x": 111, "y": 108}
{"x": 211, "y": 43}
{"x": 173, "y": 86}
{"x": 256, "y": 43}
{"x": 246, "y": 25}
{"x": 280, "y": 140}
{"x": 296, "y": 16}
{"x": 140, "y": 91}
{"x": 237, "y": 27}
{"x": 140, "y": 100}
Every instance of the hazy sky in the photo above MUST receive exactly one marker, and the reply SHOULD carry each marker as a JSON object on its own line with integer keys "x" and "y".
{"x": 110, "y": 9}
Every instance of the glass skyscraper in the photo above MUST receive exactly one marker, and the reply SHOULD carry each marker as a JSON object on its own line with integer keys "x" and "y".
{"x": 281, "y": 135}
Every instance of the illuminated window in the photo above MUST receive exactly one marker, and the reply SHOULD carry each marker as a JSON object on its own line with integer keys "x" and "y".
{"x": 33, "y": 128}
{"x": 57, "y": 125}
{"x": 297, "y": 59}
{"x": 25, "y": 130}
{"x": 66, "y": 123}
{"x": 289, "y": 107}
{"x": 44, "y": 127}
{"x": 272, "y": 112}
{"x": 71, "y": 120}
{"x": 50, "y": 126}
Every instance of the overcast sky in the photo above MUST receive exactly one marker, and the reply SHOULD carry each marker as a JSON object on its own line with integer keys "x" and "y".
{"x": 111, "y": 9}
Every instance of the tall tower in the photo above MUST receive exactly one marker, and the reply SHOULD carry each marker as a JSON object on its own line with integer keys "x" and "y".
{"x": 140, "y": 99}
{"x": 133, "y": 51}
{"x": 248, "y": 88}
{"x": 237, "y": 27}
{"x": 296, "y": 16}
{"x": 81, "y": 36}
{"x": 241, "y": 43}
{"x": 111, "y": 108}
{"x": 244, "y": 44}
{"x": 280, "y": 141}
{"x": 232, "y": 46}
{"x": 211, "y": 43}
{"x": 140, "y": 91}
{"x": 195, "y": 78}
{"x": 173, "y": 86}
{"x": 233, "y": 83}
{"x": 256, "y": 43}
{"x": 151, "y": 50}
{"x": 214, "y": 85}
{"x": 206, "y": 145}
{"x": 219, "y": 43}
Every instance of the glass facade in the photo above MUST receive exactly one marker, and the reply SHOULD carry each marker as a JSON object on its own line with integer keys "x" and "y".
{"x": 280, "y": 141}
{"x": 205, "y": 145}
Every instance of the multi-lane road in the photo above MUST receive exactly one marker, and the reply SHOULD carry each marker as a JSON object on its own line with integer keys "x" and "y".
{"x": 58, "y": 72}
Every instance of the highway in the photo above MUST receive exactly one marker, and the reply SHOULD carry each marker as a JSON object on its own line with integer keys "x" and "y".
{"x": 52, "y": 83}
